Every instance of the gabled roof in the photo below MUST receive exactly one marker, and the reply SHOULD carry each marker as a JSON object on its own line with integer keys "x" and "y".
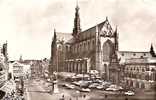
{"x": 141, "y": 61}
{"x": 125, "y": 55}
{"x": 136, "y": 60}
{"x": 68, "y": 38}
{"x": 101, "y": 25}
{"x": 16, "y": 63}
{"x": 93, "y": 29}
{"x": 134, "y": 52}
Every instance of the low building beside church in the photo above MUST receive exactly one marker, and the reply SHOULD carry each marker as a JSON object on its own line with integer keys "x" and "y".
{"x": 140, "y": 72}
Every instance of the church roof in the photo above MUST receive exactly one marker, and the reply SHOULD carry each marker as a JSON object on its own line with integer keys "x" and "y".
{"x": 104, "y": 28}
{"x": 63, "y": 36}
{"x": 124, "y": 55}
{"x": 134, "y": 52}
{"x": 68, "y": 38}
{"x": 70, "y": 41}
{"x": 93, "y": 29}
{"x": 105, "y": 24}
{"x": 141, "y": 61}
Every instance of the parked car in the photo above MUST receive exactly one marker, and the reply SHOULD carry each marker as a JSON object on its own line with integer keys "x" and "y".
{"x": 76, "y": 83}
{"x": 114, "y": 88}
{"x": 130, "y": 93}
{"x": 62, "y": 85}
{"x": 83, "y": 83}
{"x": 85, "y": 90}
{"x": 48, "y": 80}
{"x": 69, "y": 86}
{"x": 106, "y": 83}
{"x": 111, "y": 89}
{"x": 100, "y": 87}
{"x": 97, "y": 81}
{"x": 37, "y": 79}
{"x": 93, "y": 85}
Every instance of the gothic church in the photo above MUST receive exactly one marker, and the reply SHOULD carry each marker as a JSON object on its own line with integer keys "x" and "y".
{"x": 93, "y": 49}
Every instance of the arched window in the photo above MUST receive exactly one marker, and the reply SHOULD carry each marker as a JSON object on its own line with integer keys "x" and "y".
{"x": 131, "y": 69}
{"x": 134, "y": 54}
{"x": 137, "y": 84}
{"x": 137, "y": 69}
{"x": 93, "y": 44}
{"x": 107, "y": 50}
{"x": 67, "y": 48}
{"x": 77, "y": 48}
{"x": 59, "y": 47}
{"x": 142, "y": 85}
{"x": 84, "y": 46}
{"x": 147, "y": 77}
{"x": 143, "y": 70}
{"x": 80, "y": 47}
{"x": 154, "y": 76}
{"x": 88, "y": 45}
{"x": 147, "y": 69}
{"x": 122, "y": 54}
{"x": 152, "y": 69}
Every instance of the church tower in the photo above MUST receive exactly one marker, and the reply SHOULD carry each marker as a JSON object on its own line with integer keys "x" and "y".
{"x": 76, "y": 29}
{"x": 21, "y": 58}
{"x": 52, "y": 66}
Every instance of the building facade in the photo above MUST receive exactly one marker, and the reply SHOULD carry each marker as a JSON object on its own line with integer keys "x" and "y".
{"x": 81, "y": 51}
{"x": 140, "y": 73}
{"x": 18, "y": 70}
{"x": 3, "y": 64}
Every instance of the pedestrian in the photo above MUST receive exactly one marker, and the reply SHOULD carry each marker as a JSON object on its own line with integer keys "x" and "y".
{"x": 126, "y": 98}
{"x": 106, "y": 96}
{"x": 84, "y": 95}
{"x": 62, "y": 98}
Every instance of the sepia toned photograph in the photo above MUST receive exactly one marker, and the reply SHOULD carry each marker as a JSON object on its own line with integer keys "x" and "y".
{"x": 77, "y": 49}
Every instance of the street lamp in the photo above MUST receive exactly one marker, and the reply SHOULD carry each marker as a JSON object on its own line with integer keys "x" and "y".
{"x": 77, "y": 92}
{"x": 55, "y": 83}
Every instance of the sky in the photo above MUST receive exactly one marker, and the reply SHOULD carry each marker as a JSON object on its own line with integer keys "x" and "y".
{"x": 27, "y": 25}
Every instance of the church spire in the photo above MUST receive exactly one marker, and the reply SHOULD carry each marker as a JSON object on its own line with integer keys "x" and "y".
{"x": 76, "y": 29}
{"x": 53, "y": 44}
{"x": 152, "y": 51}
{"x": 21, "y": 59}
{"x": 54, "y": 37}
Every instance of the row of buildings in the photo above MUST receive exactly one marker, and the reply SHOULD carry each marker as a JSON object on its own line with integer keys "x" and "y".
{"x": 4, "y": 68}
{"x": 28, "y": 68}
{"x": 97, "y": 48}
